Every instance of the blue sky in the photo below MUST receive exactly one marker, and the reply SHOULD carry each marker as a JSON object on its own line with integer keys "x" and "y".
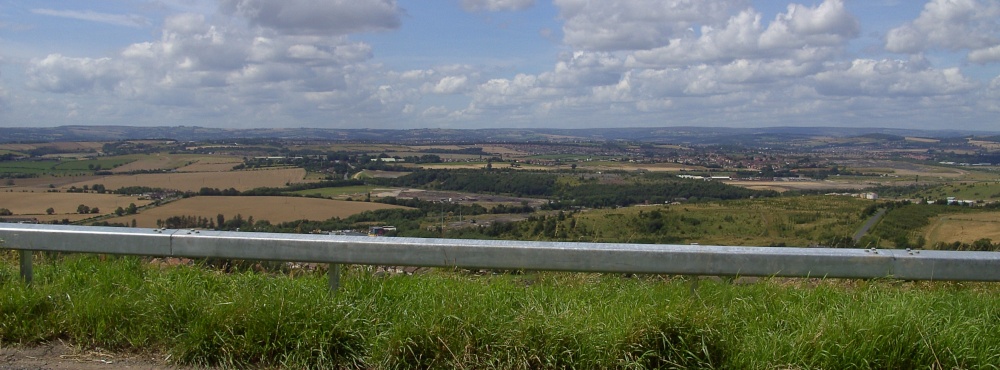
{"x": 501, "y": 63}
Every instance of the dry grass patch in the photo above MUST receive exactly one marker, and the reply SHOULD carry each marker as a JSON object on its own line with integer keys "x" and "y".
{"x": 438, "y": 147}
{"x": 381, "y": 174}
{"x": 212, "y": 164}
{"x": 662, "y": 167}
{"x": 965, "y": 228}
{"x": 460, "y": 166}
{"x": 623, "y": 166}
{"x": 899, "y": 168}
{"x": 362, "y": 148}
{"x": 782, "y": 186}
{"x": 41, "y": 184}
{"x": 71, "y": 217}
{"x": 988, "y": 145}
{"x": 181, "y": 162}
{"x": 26, "y": 203}
{"x": 147, "y": 163}
{"x": 273, "y": 209}
{"x": 66, "y": 146}
{"x": 194, "y": 181}
{"x": 928, "y": 171}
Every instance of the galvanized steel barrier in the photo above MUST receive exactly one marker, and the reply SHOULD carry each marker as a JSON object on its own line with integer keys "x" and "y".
{"x": 495, "y": 254}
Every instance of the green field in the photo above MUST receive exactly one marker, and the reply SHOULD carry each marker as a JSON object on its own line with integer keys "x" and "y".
{"x": 62, "y": 167}
{"x": 986, "y": 191}
{"x": 791, "y": 221}
{"x": 336, "y": 191}
{"x": 201, "y": 317}
{"x": 28, "y": 167}
{"x": 91, "y": 164}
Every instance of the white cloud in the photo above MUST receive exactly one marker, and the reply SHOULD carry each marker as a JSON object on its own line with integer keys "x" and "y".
{"x": 744, "y": 71}
{"x": 582, "y": 69}
{"x": 127, "y": 20}
{"x": 985, "y": 55}
{"x": 636, "y": 24}
{"x": 496, "y": 5}
{"x": 827, "y": 24}
{"x": 332, "y": 17}
{"x": 270, "y": 63}
{"x": 890, "y": 78}
{"x": 739, "y": 37}
{"x": 60, "y": 74}
{"x": 299, "y": 51}
{"x": 732, "y": 65}
{"x": 803, "y": 34}
{"x": 450, "y": 85}
{"x": 217, "y": 68}
{"x": 416, "y": 74}
{"x": 435, "y": 111}
{"x": 905, "y": 39}
{"x": 952, "y": 25}
{"x": 522, "y": 90}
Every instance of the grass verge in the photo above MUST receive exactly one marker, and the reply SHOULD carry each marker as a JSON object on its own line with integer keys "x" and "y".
{"x": 528, "y": 321}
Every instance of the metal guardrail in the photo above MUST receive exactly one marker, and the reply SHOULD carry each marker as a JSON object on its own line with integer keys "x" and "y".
{"x": 494, "y": 254}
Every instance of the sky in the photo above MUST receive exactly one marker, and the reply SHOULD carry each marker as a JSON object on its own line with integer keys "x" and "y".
{"x": 501, "y": 63}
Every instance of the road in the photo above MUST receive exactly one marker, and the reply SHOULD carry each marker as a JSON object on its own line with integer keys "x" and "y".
{"x": 868, "y": 224}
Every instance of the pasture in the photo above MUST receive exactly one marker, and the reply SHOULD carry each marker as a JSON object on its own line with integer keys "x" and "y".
{"x": 906, "y": 169}
{"x": 63, "y": 146}
{"x": 194, "y": 181}
{"x": 212, "y": 164}
{"x": 987, "y": 191}
{"x": 28, "y": 203}
{"x": 62, "y": 167}
{"x": 792, "y": 221}
{"x": 965, "y": 228}
{"x": 273, "y": 209}
{"x": 345, "y": 191}
{"x": 42, "y": 184}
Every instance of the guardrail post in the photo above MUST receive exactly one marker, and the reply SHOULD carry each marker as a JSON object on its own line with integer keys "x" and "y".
{"x": 334, "y": 273}
{"x": 26, "y": 273}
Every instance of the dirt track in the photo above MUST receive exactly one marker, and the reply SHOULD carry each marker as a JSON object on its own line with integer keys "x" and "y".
{"x": 59, "y": 356}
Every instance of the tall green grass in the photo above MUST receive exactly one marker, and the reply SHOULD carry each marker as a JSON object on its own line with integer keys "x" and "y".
{"x": 449, "y": 319}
